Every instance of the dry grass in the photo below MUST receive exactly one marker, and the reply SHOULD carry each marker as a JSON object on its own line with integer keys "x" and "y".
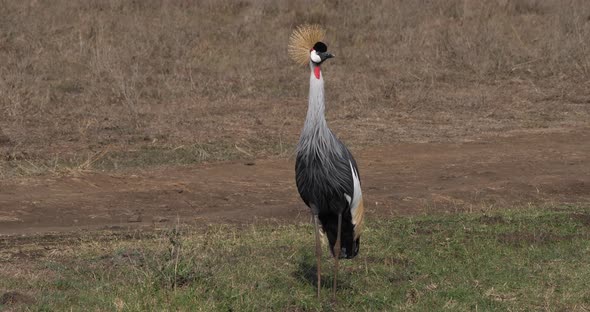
{"x": 81, "y": 77}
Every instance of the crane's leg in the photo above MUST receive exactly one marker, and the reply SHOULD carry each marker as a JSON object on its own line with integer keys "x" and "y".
{"x": 337, "y": 255}
{"x": 318, "y": 250}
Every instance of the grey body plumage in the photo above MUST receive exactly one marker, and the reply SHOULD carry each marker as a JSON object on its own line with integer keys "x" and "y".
{"x": 324, "y": 172}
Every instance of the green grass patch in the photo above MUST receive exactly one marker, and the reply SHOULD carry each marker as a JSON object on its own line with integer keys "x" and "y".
{"x": 512, "y": 260}
{"x": 105, "y": 159}
{"x": 140, "y": 157}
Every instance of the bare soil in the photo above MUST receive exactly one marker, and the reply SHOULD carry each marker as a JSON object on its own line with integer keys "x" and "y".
{"x": 548, "y": 167}
{"x": 127, "y": 114}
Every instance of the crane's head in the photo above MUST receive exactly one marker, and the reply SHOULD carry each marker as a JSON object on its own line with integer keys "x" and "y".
{"x": 319, "y": 53}
{"x": 305, "y": 45}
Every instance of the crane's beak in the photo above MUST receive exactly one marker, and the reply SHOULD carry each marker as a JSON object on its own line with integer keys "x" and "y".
{"x": 325, "y": 55}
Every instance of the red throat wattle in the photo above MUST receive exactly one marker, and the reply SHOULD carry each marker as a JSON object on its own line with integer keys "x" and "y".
{"x": 316, "y": 72}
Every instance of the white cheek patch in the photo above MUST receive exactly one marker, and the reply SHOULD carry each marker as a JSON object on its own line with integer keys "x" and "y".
{"x": 314, "y": 56}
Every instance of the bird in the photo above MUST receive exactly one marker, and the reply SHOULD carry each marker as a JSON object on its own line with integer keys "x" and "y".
{"x": 326, "y": 172}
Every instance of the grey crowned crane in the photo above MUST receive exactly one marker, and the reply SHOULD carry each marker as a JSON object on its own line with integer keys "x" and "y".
{"x": 326, "y": 173}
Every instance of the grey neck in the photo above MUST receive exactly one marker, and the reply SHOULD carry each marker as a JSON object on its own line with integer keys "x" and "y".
{"x": 316, "y": 137}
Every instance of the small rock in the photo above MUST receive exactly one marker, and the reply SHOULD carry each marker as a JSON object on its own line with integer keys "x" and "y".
{"x": 13, "y": 297}
{"x": 113, "y": 227}
{"x": 4, "y": 140}
{"x": 160, "y": 219}
{"x": 134, "y": 218}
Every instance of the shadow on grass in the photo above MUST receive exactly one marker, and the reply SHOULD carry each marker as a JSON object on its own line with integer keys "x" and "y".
{"x": 306, "y": 271}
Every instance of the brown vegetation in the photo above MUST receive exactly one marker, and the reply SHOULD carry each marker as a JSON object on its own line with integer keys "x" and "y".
{"x": 97, "y": 83}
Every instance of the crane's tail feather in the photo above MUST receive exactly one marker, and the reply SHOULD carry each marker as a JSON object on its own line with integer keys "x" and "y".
{"x": 357, "y": 218}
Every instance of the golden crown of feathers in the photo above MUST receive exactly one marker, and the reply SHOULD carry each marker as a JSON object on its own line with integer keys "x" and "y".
{"x": 302, "y": 40}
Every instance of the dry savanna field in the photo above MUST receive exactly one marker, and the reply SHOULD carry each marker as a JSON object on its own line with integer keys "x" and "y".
{"x": 146, "y": 154}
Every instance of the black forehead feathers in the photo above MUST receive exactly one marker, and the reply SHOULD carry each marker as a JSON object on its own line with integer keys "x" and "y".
{"x": 320, "y": 47}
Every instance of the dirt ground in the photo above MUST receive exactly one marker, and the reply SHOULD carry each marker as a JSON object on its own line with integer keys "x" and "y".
{"x": 548, "y": 167}
{"x": 131, "y": 114}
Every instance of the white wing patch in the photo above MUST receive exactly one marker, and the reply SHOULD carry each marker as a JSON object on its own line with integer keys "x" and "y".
{"x": 348, "y": 199}
{"x": 357, "y": 209}
{"x": 357, "y": 195}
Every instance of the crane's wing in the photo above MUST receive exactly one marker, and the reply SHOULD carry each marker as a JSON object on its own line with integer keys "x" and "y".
{"x": 357, "y": 208}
